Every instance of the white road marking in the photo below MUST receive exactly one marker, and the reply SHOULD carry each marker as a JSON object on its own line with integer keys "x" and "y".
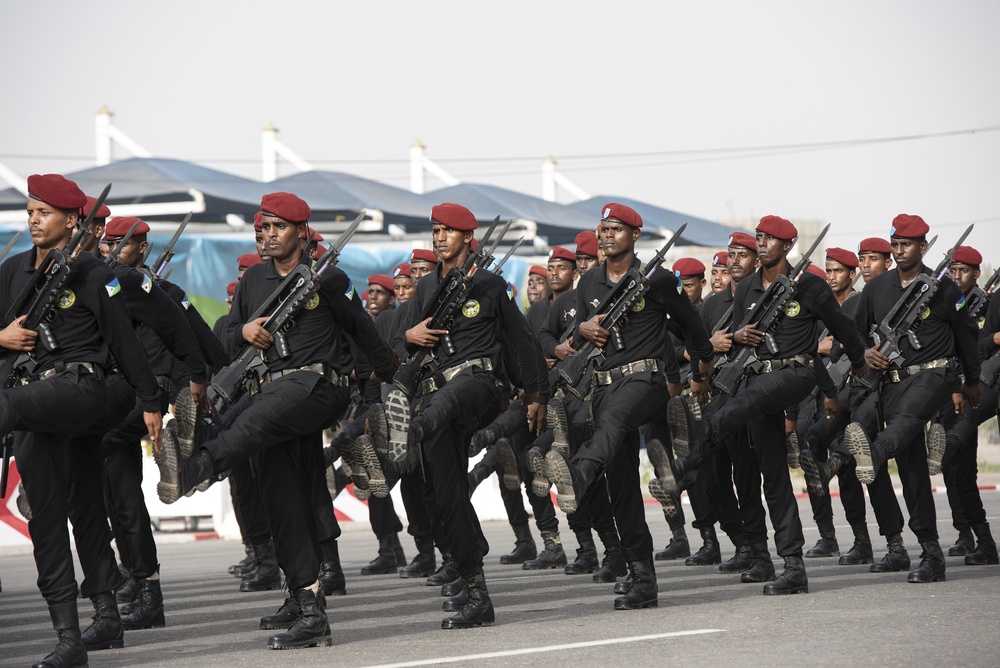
{"x": 546, "y": 648}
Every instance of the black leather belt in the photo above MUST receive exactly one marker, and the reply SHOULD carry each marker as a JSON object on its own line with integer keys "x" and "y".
{"x": 335, "y": 378}
{"x": 439, "y": 378}
{"x": 767, "y": 366}
{"x": 899, "y": 375}
{"x": 608, "y": 377}
{"x": 65, "y": 366}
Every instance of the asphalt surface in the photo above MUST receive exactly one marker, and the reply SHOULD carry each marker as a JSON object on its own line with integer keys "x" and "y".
{"x": 850, "y": 616}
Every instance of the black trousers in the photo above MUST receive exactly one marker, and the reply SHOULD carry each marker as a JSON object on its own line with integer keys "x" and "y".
{"x": 244, "y": 490}
{"x": 513, "y": 424}
{"x": 619, "y": 410}
{"x": 960, "y": 466}
{"x": 62, "y": 473}
{"x": 283, "y": 424}
{"x": 467, "y": 403}
{"x": 420, "y": 521}
{"x": 761, "y": 404}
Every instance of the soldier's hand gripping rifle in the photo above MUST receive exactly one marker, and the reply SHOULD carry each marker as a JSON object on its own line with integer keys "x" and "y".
{"x": 766, "y": 316}
{"x": 899, "y": 321}
{"x": 156, "y": 269}
{"x": 576, "y": 371}
{"x": 38, "y": 302}
{"x": 292, "y": 294}
{"x": 442, "y": 309}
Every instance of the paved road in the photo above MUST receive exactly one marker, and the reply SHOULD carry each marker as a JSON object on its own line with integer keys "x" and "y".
{"x": 850, "y": 617}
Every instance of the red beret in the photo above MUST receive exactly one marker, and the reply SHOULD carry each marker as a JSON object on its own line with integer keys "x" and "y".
{"x": 103, "y": 212}
{"x": 743, "y": 240}
{"x": 538, "y": 270}
{"x": 248, "y": 260}
{"x": 560, "y": 253}
{"x": 720, "y": 259}
{"x": 313, "y": 235}
{"x": 586, "y": 243}
{"x": 689, "y": 266}
{"x": 231, "y": 289}
{"x": 118, "y": 227}
{"x": 875, "y": 245}
{"x": 816, "y": 271}
{"x": 909, "y": 227}
{"x": 843, "y": 256}
{"x": 423, "y": 255}
{"x": 364, "y": 298}
{"x": 382, "y": 281}
{"x": 285, "y": 205}
{"x": 967, "y": 255}
{"x": 777, "y": 227}
{"x": 455, "y": 216}
{"x": 320, "y": 249}
{"x": 258, "y": 222}
{"x": 401, "y": 270}
{"x": 57, "y": 190}
{"x": 623, "y": 213}
{"x": 474, "y": 244}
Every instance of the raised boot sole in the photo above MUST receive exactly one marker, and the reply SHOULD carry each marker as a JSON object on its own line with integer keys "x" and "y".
{"x": 810, "y": 469}
{"x": 378, "y": 425}
{"x": 540, "y": 484}
{"x": 792, "y": 451}
{"x": 680, "y": 416}
{"x": 364, "y": 452}
{"x": 861, "y": 450}
{"x": 508, "y": 462}
{"x": 665, "y": 491}
{"x": 557, "y": 469}
{"x": 168, "y": 488}
{"x": 558, "y": 422}
{"x": 936, "y": 444}
{"x": 397, "y": 416}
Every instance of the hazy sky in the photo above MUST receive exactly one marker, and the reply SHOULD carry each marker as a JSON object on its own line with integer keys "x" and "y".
{"x": 492, "y": 88}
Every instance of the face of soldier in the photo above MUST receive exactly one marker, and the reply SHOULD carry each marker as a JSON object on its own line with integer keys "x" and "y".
{"x": 720, "y": 278}
{"x": 448, "y": 243}
{"x": 908, "y": 253}
{"x": 585, "y": 262}
{"x": 379, "y": 299}
{"x": 771, "y": 250}
{"x": 91, "y": 243}
{"x": 258, "y": 238}
{"x": 873, "y": 264}
{"x": 839, "y": 277}
{"x": 419, "y": 269}
{"x": 131, "y": 253}
{"x": 693, "y": 287}
{"x": 282, "y": 239}
{"x": 964, "y": 275}
{"x": 617, "y": 239}
{"x": 561, "y": 275}
{"x": 404, "y": 288}
{"x": 538, "y": 288}
{"x": 742, "y": 262}
{"x": 48, "y": 226}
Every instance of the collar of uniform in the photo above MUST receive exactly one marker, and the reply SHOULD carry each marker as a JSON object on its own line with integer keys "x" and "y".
{"x": 28, "y": 263}
{"x": 894, "y": 275}
{"x": 270, "y": 272}
{"x": 604, "y": 270}
{"x": 758, "y": 276}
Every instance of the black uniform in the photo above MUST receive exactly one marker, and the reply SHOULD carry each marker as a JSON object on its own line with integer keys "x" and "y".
{"x": 62, "y": 470}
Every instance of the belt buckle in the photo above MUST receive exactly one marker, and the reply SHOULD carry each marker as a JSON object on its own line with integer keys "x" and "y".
{"x": 603, "y": 377}
{"x": 894, "y": 376}
{"x": 766, "y": 366}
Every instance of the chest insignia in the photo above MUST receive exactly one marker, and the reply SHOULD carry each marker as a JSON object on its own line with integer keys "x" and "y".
{"x": 595, "y": 303}
{"x": 925, "y": 312}
{"x": 793, "y": 308}
{"x": 638, "y": 306}
{"x": 313, "y": 302}
{"x": 68, "y": 297}
{"x": 470, "y": 309}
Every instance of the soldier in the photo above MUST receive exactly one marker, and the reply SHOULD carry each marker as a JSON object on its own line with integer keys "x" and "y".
{"x": 381, "y": 294}
{"x": 691, "y": 271}
{"x": 629, "y": 390}
{"x": 460, "y": 394}
{"x": 402, "y": 283}
{"x": 285, "y": 416}
{"x": 914, "y": 387}
{"x": 538, "y": 284}
{"x": 773, "y": 385}
{"x": 720, "y": 271}
{"x": 62, "y": 469}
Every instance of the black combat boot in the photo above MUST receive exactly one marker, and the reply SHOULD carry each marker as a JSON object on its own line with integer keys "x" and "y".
{"x": 641, "y": 591}
{"x": 827, "y": 545}
{"x": 453, "y": 588}
{"x": 511, "y": 478}
{"x": 937, "y": 442}
{"x": 331, "y": 573}
{"x": 819, "y": 474}
{"x": 931, "y": 568}
{"x": 128, "y": 590}
{"x": 311, "y": 627}
{"x": 478, "y": 608}
{"x": 861, "y": 551}
{"x": 284, "y": 617}
{"x": 986, "y": 548}
{"x": 792, "y": 580}
{"x": 586, "y": 555}
{"x": 397, "y": 549}
{"x": 677, "y": 548}
{"x": 896, "y": 559}
{"x": 613, "y": 565}
{"x": 571, "y": 478}
{"x": 447, "y": 572}
{"x": 456, "y": 602}
{"x": 524, "y": 546}
{"x": 385, "y": 562}
{"x": 966, "y": 543}
{"x": 148, "y": 613}
{"x": 244, "y": 565}
{"x": 267, "y": 575}
{"x": 664, "y": 487}
{"x": 553, "y": 556}
{"x": 534, "y": 460}
{"x": 761, "y": 567}
{"x": 740, "y": 562}
{"x": 483, "y": 439}
{"x": 106, "y": 630}
{"x": 709, "y": 553}
{"x": 477, "y": 475}
{"x": 868, "y": 457}
{"x": 70, "y": 650}
{"x": 424, "y": 562}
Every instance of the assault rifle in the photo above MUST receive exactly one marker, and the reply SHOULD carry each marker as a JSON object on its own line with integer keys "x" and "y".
{"x": 39, "y": 298}
{"x": 112, "y": 258}
{"x": 498, "y": 270}
{"x": 979, "y": 298}
{"x": 10, "y": 244}
{"x": 576, "y": 371}
{"x": 766, "y": 316}
{"x": 899, "y": 321}
{"x": 292, "y": 294}
{"x": 168, "y": 251}
{"x": 991, "y": 367}
{"x": 442, "y": 309}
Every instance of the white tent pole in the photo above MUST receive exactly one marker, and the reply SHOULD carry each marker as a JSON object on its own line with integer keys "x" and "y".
{"x": 269, "y": 152}
{"x": 19, "y": 184}
{"x": 102, "y": 132}
{"x": 549, "y": 179}
{"x": 417, "y": 167}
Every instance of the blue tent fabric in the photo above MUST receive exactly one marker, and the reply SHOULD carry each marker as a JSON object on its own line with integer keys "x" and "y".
{"x": 699, "y": 232}
{"x": 335, "y": 191}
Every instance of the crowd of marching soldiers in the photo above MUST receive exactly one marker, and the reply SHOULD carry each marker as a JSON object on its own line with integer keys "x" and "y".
{"x": 781, "y": 367}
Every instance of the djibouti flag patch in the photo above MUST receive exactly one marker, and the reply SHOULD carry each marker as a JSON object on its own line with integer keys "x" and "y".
{"x": 113, "y": 287}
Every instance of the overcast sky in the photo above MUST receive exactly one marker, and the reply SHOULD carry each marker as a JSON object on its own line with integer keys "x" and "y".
{"x": 492, "y": 88}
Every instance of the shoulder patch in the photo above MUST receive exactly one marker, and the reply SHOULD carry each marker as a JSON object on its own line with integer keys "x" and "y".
{"x": 147, "y": 283}
{"x": 960, "y": 303}
{"x": 349, "y": 292}
{"x": 184, "y": 302}
{"x": 113, "y": 286}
